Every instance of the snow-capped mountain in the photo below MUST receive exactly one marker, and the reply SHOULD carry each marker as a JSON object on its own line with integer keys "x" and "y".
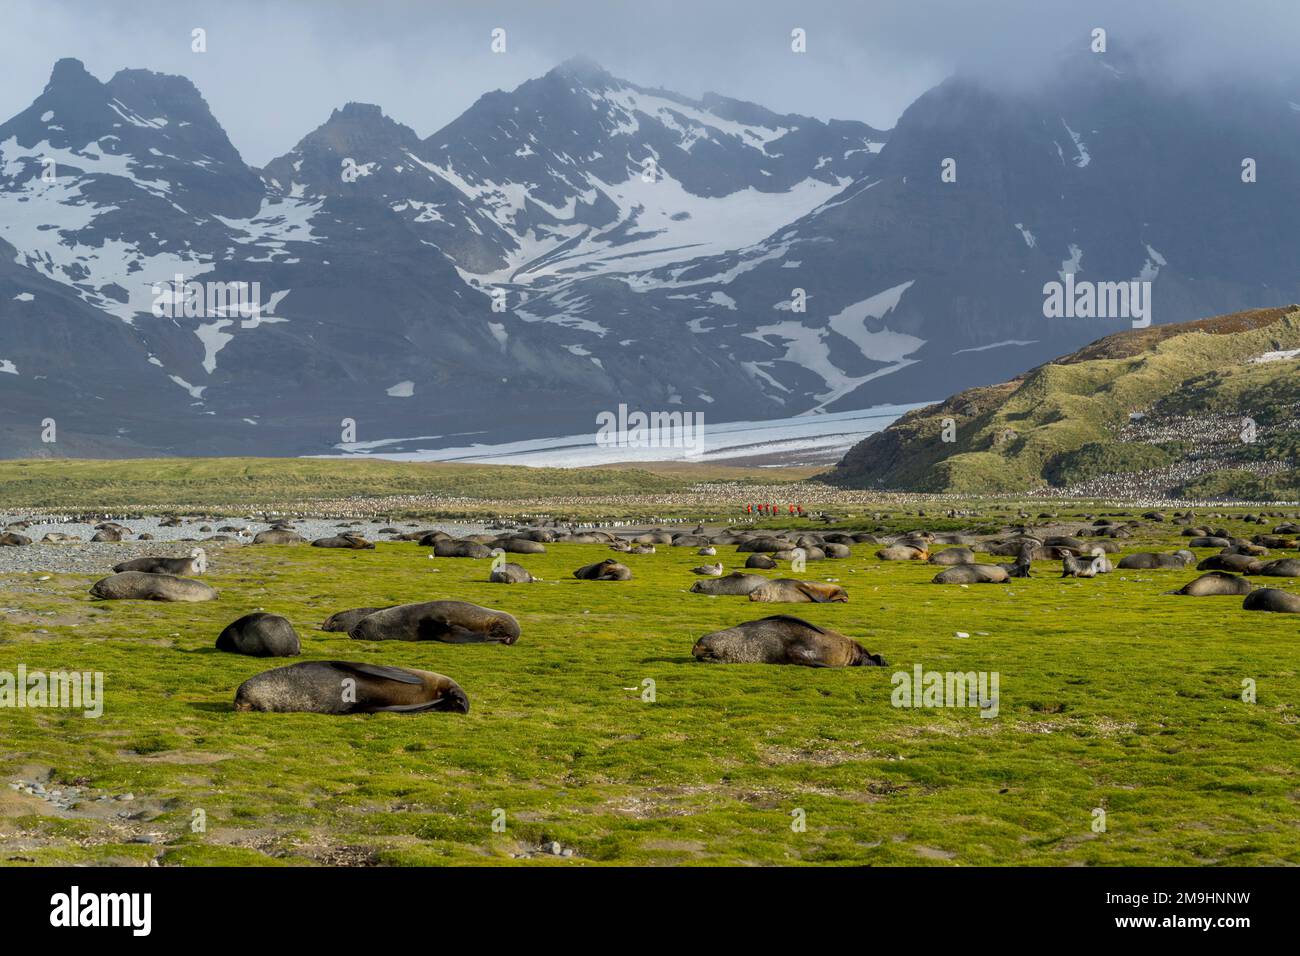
{"x": 581, "y": 242}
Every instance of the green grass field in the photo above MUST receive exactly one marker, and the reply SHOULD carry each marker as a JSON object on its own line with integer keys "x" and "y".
{"x": 168, "y": 484}
{"x": 1112, "y": 696}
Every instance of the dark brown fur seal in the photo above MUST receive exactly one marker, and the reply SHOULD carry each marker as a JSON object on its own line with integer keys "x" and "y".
{"x": 1281, "y": 568}
{"x": 451, "y": 548}
{"x": 347, "y": 687}
{"x": 1229, "y": 562}
{"x": 760, "y": 561}
{"x": 790, "y": 591}
{"x": 607, "y": 570}
{"x": 1271, "y": 599}
{"x": 142, "y": 586}
{"x": 782, "y": 639}
{"x": 260, "y": 635}
{"x": 1215, "y": 583}
{"x": 347, "y": 620}
{"x": 451, "y": 622}
{"x": 353, "y": 542}
{"x": 972, "y": 574}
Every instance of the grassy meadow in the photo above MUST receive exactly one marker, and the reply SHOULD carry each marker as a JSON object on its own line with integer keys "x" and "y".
{"x": 1112, "y": 696}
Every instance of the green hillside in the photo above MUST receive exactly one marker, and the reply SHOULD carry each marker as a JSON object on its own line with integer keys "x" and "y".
{"x": 1157, "y": 410}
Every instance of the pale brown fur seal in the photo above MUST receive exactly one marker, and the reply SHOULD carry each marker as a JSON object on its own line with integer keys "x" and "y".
{"x": 142, "y": 586}
{"x": 196, "y": 563}
{"x": 788, "y": 590}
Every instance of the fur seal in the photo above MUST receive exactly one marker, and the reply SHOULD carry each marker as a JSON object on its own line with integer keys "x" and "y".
{"x": 451, "y": 548}
{"x": 12, "y": 539}
{"x": 1271, "y": 599}
{"x": 737, "y": 582}
{"x": 451, "y": 622}
{"x": 143, "y": 586}
{"x": 790, "y": 591}
{"x": 347, "y": 620}
{"x": 951, "y": 556}
{"x": 511, "y": 573}
{"x": 519, "y": 546}
{"x": 768, "y": 544}
{"x": 196, "y": 563}
{"x": 1072, "y": 567}
{"x": 278, "y": 536}
{"x": 260, "y": 635}
{"x": 607, "y": 570}
{"x": 782, "y": 639}
{"x": 1151, "y": 561}
{"x": 350, "y": 541}
{"x": 1281, "y": 568}
{"x": 1229, "y": 562}
{"x": 347, "y": 687}
{"x": 761, "y": 561}
{"x": 902, "y": 552}
{"x": 972, "y": 574}
{"x": 1215, "y": 583}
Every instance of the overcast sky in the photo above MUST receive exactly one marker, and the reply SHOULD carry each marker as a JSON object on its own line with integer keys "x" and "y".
{"x": 275, "y": 69}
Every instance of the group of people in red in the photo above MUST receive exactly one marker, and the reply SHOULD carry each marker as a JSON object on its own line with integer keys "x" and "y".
{"x": 772, "y": 510}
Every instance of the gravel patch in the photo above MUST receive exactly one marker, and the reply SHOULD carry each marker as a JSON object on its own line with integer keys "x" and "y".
{"x": 98, "y": 557}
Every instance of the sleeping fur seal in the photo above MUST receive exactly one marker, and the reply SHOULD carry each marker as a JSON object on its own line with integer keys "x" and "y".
{"x": 278, "y": 536}
{"x": 346, "y": 687}
{"x": 196, "y": 563}
{"x": 607, "y": 570}
{"x": 451, "y": 548}
{"x": 972, "y": 574}
{"x": 951, "y": 556}
{"x": 511, "y": 573}
{"x": 902, "y": 552}
{"x": 451, "y": 622}
{"x": 1271, "y": 599}
{"x": 1229, "y": 562}
{"x": 349, "y": 541}
{"x": 347, "y": 620}
{"x": 761, "y": 561}
{"x": 1150, "y": 561}
{"x": 782, "y": 639}
{"x": 519, "y": 546}
{"x": 260, "y": 635}
{"x": 1215, "y": 583}
{"x": 1280, "y": 568}
{"x": 12, "y": 539}
{"x": 142, "y": 586}
{"x": 790, "y": 591}
{"x": 737, "y": 582}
